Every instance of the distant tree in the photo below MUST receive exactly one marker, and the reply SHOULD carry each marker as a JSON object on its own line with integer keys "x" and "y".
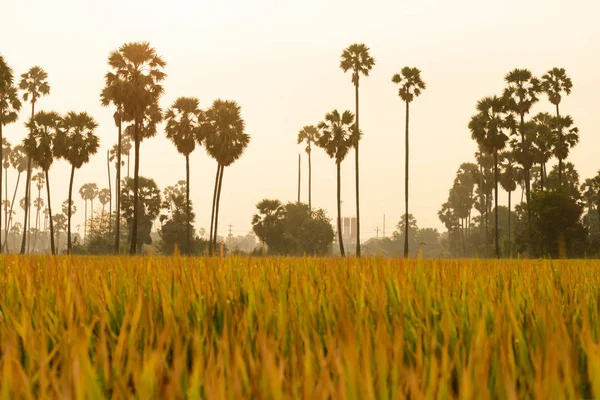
{"x": 38, "y": 203}
{"x": 566, "y": 137}
{"x": 542, "y": 142}
{"x": 411, "y": 86}
{"x": 177, "y": 220}
{"x": 508, "y": 180}
{"x": 60, "y": 221}
{"x": 34, "y": 84}
{"x": 570, "y": 183}
{"x": 138, "y": 69}
{"x": 309, "y": 135}
{"x": 357, "y": 59}
{"x": 488, "y": 128}
{"x": 104, "y": 197}
{"x": 149, "y": 208}
{"x": 10, "y": 105}
{"x": 39, "y": 147}
{"x": 590, "y": 190}
{"x": 88, "y": 192}
{"x": 18, "y": 160}
{"x": 337, "y": 135}
{"x": 555, "y": 83}
{"x": 6, "y": 157}
{"x": 76, "y": 143}
{"x": 184, "y": 120}
{"x": 225, "y": 141}
{"x": 521, "y": 93}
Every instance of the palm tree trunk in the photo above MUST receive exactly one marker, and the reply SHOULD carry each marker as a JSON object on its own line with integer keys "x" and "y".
{"x": 27, "y": 190}
{"x": 109, "y": 195}
{"x": 357, "y": 174}
{"x": 11, "y": 209}
{"x": 509, "y": 232}
{"x": 128, "y": 164}
{"x": 497, "y": 242}
{"x": 187, "y": 204}
{"x": 85, "y": 221}
{"x": 212, "y": 215}
{"x": 542, "y": 176}
{"x": 217, "y": 207}
{"x": 52, "y": 249}
{"x": 118, "y": 191}
{"x": 339, "y": 209}
{"x": 37, "y": 220}
{"x": 92, "y": 216}
{"x": 309, "y": 183}
{"x": 69, "y": 213}
{"x": 299, "y": 177}
{"x": 560, "y": 141}
{"x": 29, "y": 218}
{"x": 527, "y": 175}
{"x": 1, "y": 161}
{"x": 136, "y": 170}
{"x": 406, "y": 188}
{"x": 5, "y": 205}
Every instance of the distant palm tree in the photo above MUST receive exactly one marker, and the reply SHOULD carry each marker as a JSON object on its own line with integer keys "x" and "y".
{"x": 40, "y": 180}
{"x": 139, "y": 69}
{"x": 225, "y": 140}
{"x": 6, "y": 156}
{"x": 39, "y": 147}
{"x": 309, "y": 134}
{"x": 566, "y": 137}
{"x": 337, "y": 135}
{"x": 88, "y": 192}
{"x": 555, "y": 82}
{"x": 542, "y": 141}
{"x": 183, "y": 128}
{"x": 34, "y": 83}
{"x": 591, "y": 194}
{"x": 411, "y": 86}
{"x": 357, "y": 58}
{"x": 18, "y": 160}
{"x": 487, "y": 128}
{"x": 76, "y": 143}
{"x": 508, "y": 180}
{"x": 60, "y": 220}
{"x": 10, "y": 105}
{"x": 521, "y": 93}
{"x": 104, "y": 197}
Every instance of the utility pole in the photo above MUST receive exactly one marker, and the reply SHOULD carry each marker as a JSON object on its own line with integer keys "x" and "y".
{"x": 298, "y": 178}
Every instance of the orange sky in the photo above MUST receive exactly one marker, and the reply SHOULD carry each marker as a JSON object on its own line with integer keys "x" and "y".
{"x": 280, "y": 61}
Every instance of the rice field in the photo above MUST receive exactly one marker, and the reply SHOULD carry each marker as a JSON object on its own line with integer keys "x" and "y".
{"x": 298, "y": 328}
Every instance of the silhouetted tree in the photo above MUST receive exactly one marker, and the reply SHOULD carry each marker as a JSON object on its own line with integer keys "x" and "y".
{"x": 309, "y": 135}
{"x": 337, "y": 135}
{"x": 149, "y": 207}
{"x": 76, "y": 143}
{"x": 357, "y": 59}
{"x": 38, "y": 203}
{"x": 411, "y": 86}
{"x": 508, "y": 180}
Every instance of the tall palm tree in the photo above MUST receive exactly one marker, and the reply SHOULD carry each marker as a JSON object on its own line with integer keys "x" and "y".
{"x": 18, "y": 160}
{"x": 487, "y": 128}
{"x": 508, "y": 181}
{"x": 356, "y": 57}
{"x": 38, "y": 203}
{"x": 34, "y": 83}
{"x": 521, "y": 93}
{"x": 309, "y": 134}
{"x": 6, "y": 156}
{"x": 139, "y": 69}
{"x": 411, "y": 86}
{"x": 76, "y": 143}
{"x": 184, "y": 120}
{"x": 566, "y": 136}
{"x": 225, "y": 139}
{"x": 39, "y": 147}
{"x": 542, "y": 141}
{"x": 337, "y": 135}
{"x": 10, "y": 105}
{"x": 87, "y": 191}
{"x": 555, "y": 82}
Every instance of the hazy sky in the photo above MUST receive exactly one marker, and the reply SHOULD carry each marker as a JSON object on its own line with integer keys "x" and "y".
{"x": 280, "y": 61}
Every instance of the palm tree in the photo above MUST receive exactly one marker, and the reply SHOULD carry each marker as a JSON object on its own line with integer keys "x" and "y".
{"x": 18, "y": 160}
{"x": 104, "y": 197}
{"x": 39, "y": 147}
{"x": 337, "y": 135}
{"x": 591, "y": 193}
{"x": 183, "y": 128}
{"x": 225, "y": 141}
{"x": 566, "y": 137}
{"x": 555, "y": 82}
{"x": 139, "y": 70}
{"x": 508, "y": 181}
{"x": 10, "y": 105}
{"x": 60, "y": 221}
{"x": 38, "y": 203}
{"x": 411, "y": 86}
{"x": 521, "y": 93}
{"x": 542, "y": 140}
{"x": 88, "y": 192}
{"x": 357, "y": 58}
{"x": 487, "y": 128}
{"x": 76, "y": 143}
{"x": 309, "y": 134}
{"x": 6, "y": 153}
{"x": 34, "y": 83}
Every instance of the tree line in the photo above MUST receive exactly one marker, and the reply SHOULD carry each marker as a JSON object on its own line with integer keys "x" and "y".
{"x": 133, "y": 86}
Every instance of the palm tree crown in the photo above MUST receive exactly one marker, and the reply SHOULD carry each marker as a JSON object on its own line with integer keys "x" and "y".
{"x": 411, "y": 84}
{"x": 356, "y": 57}
{"x": 39, "y": 145}
{"x": 184, "y": 120}
{"x": 76, "y": 142}
{"x": 522, "y": 90}
{"x": 309, "y": 135}
{"x": 337, "y": 134}
{"x": 223, "y": 129}
{"x": 556, "y": 82}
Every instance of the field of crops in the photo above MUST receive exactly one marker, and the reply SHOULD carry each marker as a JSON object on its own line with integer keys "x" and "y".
{"x": 230, "y": 328}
